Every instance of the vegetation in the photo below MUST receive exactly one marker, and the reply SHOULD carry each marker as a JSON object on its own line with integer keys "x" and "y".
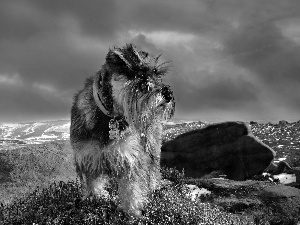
{"x": 23, "y": 169}
{"x": 38, "y": 186}
{"x": 61, "y": 203}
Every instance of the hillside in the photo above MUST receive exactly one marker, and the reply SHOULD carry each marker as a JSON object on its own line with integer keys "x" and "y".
{"x": 22, "y": 169}
{"x": 25, "y": 168}
{"x": 15, "y": 134}
{"x": 283, "y": 138}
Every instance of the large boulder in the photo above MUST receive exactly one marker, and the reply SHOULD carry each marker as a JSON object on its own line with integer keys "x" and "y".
{"x": 229, "y": 147}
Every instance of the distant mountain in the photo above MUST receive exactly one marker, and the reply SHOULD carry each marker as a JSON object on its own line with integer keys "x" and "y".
{"x": 16, "y": 134}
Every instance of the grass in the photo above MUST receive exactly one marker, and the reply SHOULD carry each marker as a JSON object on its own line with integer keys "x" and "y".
{"x": 23, "y": 169}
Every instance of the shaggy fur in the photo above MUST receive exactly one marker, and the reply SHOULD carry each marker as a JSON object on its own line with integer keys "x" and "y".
{"x": 131, "y": 91}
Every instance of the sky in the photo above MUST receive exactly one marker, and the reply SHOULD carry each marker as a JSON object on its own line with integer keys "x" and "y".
{"x": 229, "y": 59}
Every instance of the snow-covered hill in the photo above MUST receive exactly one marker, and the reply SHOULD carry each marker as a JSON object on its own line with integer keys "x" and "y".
{"x": 13, "y": 135}
{"x": 16, "y": 134}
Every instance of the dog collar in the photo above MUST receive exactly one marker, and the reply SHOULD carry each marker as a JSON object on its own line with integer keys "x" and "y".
{"x": 116, "y": 123}
{"x": 98, "y": 98}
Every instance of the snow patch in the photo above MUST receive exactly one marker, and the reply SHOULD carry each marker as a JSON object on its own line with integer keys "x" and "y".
{"x": 285, "y": 178}
{"x": 282, "y": 159}
{"x": 194, "y": 191}
{"x": 9, "y": 128}
{"x": 60, "y": 128}
{"x": 32, "y": 128}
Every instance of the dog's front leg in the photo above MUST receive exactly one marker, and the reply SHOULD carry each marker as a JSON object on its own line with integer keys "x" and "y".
{"x": 95, "y": 186}
{"x": 89, "y": 160}
{"x": 133, "y": 195}
{"x": 154, "y": 175}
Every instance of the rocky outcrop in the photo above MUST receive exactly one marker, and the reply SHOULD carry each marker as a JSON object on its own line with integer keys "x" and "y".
{"x": 262, "y": 201}
{"x": 228, "y": 147}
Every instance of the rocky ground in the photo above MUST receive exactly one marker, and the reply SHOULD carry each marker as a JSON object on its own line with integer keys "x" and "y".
{"x": 284, "y": 139}
{"x": 264, "y": 199}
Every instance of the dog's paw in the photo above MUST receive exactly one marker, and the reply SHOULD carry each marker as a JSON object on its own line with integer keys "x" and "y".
{"x": 88, "y": 196}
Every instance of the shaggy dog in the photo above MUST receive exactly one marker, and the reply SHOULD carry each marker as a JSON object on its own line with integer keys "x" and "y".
{"x": 116, "y": 126}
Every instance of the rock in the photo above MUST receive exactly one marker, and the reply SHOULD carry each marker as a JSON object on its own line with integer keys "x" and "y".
{"x": 281, "y": 167}
{"x": 261, "y": 200}
{"x": 297, "y": 173}
{"x": 229, "y": 147}
{"x": 283, "y": 123}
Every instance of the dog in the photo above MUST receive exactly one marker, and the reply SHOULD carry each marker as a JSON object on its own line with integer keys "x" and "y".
{"x": 116, "y": 126}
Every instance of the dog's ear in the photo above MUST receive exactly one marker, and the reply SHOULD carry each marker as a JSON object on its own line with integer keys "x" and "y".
{"x": 124, "y": 59}
{"x": 117, "y": 61}
{"x": 133, "y": 63}
{"x": 120, "y": 54}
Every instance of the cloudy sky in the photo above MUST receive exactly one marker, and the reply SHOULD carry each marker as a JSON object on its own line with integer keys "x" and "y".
{"x": 231, "y": 59}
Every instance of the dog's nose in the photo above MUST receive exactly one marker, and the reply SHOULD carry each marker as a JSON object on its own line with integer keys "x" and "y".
{"x": 167, "y": 93}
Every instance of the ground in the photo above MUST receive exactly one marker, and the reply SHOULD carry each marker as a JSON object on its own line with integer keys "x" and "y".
{"x": 23, "y": 169}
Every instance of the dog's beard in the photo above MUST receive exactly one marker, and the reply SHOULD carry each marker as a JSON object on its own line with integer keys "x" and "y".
{"x": 140, "y": 109}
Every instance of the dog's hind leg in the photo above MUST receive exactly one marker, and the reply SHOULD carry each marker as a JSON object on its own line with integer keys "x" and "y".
{"x": 86, "y": 187}
{"x": 154, "y": 176}
{"x": 84, "y": 181}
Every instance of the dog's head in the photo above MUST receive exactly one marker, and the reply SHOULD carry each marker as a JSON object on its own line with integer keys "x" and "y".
{"x": 130, "y": 85}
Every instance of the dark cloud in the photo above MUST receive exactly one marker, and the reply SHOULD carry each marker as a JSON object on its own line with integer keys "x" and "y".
{"x": 46, "y": 46}
{"x": 216, "y": 95}
{"x": 264, "y": 50}
{"x": 228, "y": 57}
{"x": 193, "y": 16}
{"x": 97, "y": 18}
{"x": 260, "y": 46}
{"x": 48, "y": 59}
{"x": 19, "y": 103}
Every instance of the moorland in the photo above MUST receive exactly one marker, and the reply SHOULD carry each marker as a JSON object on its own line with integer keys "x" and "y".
{"x": 38, "y": 185}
